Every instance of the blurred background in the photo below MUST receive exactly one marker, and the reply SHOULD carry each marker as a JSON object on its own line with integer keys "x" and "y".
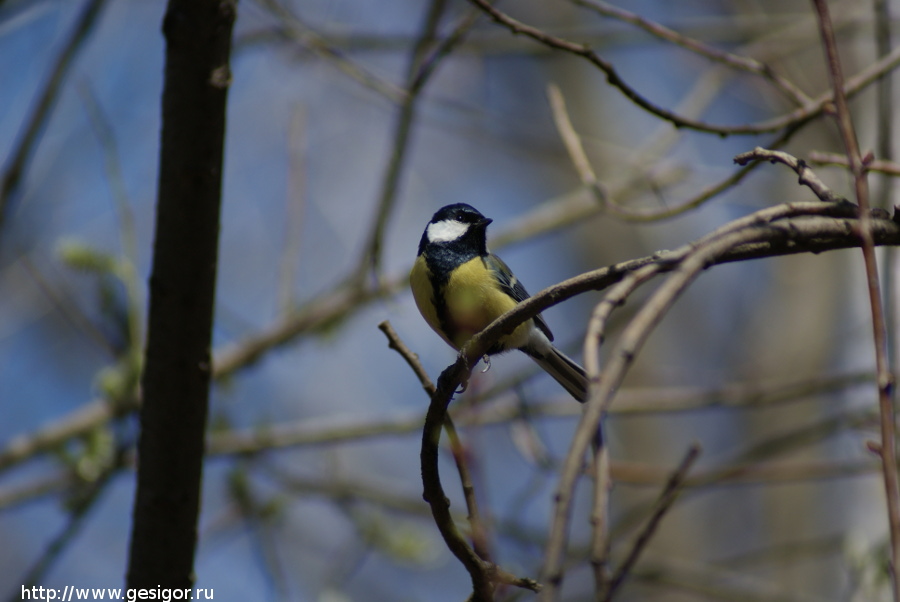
{"x": 349, "y": 124}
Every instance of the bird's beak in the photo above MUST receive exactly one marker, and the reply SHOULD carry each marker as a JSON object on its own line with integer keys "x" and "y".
{"x": 484, "y": 223}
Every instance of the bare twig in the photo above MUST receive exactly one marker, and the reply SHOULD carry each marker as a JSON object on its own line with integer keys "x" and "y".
{"x": 807, "y": 176}
{"x": 397, "y": 344}
{"x": 885, "y": 132}
{"x": 572, "y": 141}
{"x": 797, "y": 116}
{"x": 704, "y": 582}
{"x": 571, "y": 138}
{"x": 15, "y": 167}
{"x": 329, "y": 308}
{"x": 293, "y": 28}
{"x": 294, "y": 208}
{"x": 600, "y": 519}
{"x": 585, "y": 51}
{"x": 415, "y": 84}
{"x": 735, "y": 61}
{"x": 80, "y": 509}
{"x": 885, "y": 151}
{"x": 40, "y": 487}
{"x": 666, "y": 499}
{"x": 479, "y": 531}
{"x": 73, "y": 425}
{"x": 886, "y": 378}
{"x": 890, "y": 168}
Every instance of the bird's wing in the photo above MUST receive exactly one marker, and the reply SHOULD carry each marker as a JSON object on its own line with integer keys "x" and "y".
{"x": 512, "y": 287}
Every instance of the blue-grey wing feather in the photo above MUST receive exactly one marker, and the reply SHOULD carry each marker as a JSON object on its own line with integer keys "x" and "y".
{"x": 512, "y": 287}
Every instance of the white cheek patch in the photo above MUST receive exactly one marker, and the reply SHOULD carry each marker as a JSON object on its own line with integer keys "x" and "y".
{"x": 446, "y": 230}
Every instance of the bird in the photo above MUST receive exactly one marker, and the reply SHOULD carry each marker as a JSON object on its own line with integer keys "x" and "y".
{"x": 460, "y": 287}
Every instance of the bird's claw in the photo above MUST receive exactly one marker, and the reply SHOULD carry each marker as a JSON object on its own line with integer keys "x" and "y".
{"x": 465, "y": 379}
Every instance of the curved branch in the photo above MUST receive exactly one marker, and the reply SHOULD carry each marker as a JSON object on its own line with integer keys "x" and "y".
{"x": 799, "y": 115}
{"x": 657, "y": 30}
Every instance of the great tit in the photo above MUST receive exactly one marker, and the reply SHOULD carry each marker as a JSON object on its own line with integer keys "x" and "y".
{"x": 460, "y": 288}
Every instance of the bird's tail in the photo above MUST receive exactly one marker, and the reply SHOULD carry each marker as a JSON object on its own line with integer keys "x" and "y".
{"x": 564, "y": 370}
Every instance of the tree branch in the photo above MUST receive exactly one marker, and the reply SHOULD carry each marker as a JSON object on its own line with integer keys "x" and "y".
{"x": 15, "y": 167}
{"x": 800, "y": 115}
{"x": 666, "y": 499}
{"x": 886, "y": 379}
{"x": 735, "y": 61}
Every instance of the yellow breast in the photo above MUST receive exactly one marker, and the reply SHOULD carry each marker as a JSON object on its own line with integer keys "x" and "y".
{"x": 473, "y": 299}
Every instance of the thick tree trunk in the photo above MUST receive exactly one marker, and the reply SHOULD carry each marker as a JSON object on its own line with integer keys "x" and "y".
{"x": 175, "y": 384}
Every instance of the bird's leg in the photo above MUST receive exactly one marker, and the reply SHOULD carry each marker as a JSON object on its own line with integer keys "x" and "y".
{"x": 465, "y": 377}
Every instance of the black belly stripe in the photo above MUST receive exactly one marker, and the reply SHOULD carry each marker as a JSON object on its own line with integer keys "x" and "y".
{"x": 440, "y": 305}
{"x": 441, "y": 261}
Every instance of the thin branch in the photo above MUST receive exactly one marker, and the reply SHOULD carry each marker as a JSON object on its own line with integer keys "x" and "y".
{"x": 319, "y": 313}
{"x": 711, "y": 583}
{"x": 387, "y": 197}
{"x": 607, "y": 201}
{"x": 38, "y": 488}
{"x": 699, "y": 97}
{"x": 887, "y": 167}
{"x": 600, "y": 515}
{"x": 397, "y": 344}
{"x": 735, "y": 61}
{"x": 427, "y": 55}
{"x": 885, "y": 126}
{"x": 15, "y": 167}
{"x": 571, "y": 139}
{"x": 585, "y": 51}
{"x": 78, "y": 513}
{"x": 294, "y": 208}
{"x": 293, "y": 28}
{"x": 799, "y": 115}
{"x": 886, "y": 379}
{"x": 666, "y": 499}
{"x": 600, "y": 518}
{"x": 885, "y": 150}
{"x": 807, "y": 176}
{"x": 75, "y": 424}
{"x": 479, "y": 531}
